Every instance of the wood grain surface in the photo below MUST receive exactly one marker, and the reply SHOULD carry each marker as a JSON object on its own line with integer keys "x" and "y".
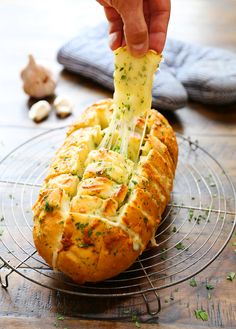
{"x": 41, "y": 28}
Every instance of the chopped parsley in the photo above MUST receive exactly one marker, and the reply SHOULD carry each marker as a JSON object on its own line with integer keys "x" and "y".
{"x": 231, "y": 276}
{"x": 209, "y": 286}
{"x": 47, "y": 207}
{"x": 174, "y": 229}
{"x": 135, "y": 319}
{"x": 86, "y": 245}
{"x": 190, "y": 214}
{"x": 193, "y": 283}
{"x": 99, "y": 233}
{"x": 201, "y": 315}
{"x": 90, "y": 232}
{"x": 60, "y": 317}
{"x": 180, "y": 246}
{"x": 145, "y": 219}
{"x": 81, "y": 226}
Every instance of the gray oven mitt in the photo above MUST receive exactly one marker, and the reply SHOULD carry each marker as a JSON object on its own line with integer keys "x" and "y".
{"x": 203, "y": 74}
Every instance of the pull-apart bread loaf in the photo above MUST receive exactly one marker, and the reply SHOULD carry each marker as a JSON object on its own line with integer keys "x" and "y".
{"x": 98, "y": 208}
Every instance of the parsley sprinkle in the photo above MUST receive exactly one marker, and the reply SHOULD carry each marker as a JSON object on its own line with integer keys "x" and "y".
{"x": 47, "y": 207}
{"x": 193, "y": 283}
{"x": 174, "y": 229}
{"x": 180, "y": 246}
{"x": 190, "y": 214}
{"x": 99, "y": 233}
{"x": 231, "y": 276}
{"x": 135, "y": 320}
{"x": 201, "y": 315}
{"x": 81, "y": 226}
{"x": 86, "y": 245}
{"x": 209, "y": 286}
{"x": 234, "y": 244}
{"x": 60, "y": 317}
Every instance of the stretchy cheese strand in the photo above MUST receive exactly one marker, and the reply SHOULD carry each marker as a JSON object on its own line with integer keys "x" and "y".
{"x": 133, "y": 78}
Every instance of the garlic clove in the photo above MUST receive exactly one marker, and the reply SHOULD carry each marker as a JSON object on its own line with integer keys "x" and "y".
{"x": 39, "y": 111}
{"x": 38, "y": 81}
{"x": 63, "y": 106}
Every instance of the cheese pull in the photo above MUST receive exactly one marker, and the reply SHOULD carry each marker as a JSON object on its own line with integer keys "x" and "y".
{"x": 133, "y": 79}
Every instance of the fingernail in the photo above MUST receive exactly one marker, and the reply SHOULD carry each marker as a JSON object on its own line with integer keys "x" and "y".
{"x": 138, "y": 49}
{"x": 113, "y": 37}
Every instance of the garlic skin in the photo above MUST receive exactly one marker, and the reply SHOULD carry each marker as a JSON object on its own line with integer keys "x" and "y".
{"x": 39, "y": 111}
{"x": 63, "y": 106}
{"x": 38, "y": 81}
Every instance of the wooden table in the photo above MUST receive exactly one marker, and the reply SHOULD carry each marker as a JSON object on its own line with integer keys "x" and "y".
{"x": 41, "y": 28}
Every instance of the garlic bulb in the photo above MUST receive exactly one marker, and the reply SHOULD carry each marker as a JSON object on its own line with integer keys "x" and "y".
{"x": 63, "y": 106}
{"x": 38, "y": 81}
{"x": 39, "y": 111}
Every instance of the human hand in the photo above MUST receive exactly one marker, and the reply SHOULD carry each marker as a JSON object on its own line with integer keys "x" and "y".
{"x": 139, "y": 24}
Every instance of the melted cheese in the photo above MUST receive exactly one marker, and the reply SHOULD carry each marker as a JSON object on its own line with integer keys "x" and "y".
{"x": 133, "y": 78}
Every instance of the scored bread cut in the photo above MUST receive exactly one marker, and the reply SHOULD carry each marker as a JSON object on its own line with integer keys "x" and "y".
{"x": 98, "y": 208}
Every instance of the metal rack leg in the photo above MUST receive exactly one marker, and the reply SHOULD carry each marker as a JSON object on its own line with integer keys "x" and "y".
{"x": 157, "y": 309}
{"x": 4, "y": 277}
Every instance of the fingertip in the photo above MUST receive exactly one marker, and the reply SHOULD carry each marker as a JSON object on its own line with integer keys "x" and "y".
{"x": 157, "y": 41}
{"x": 138, "y": 50}
{"x": 115, "y": 40}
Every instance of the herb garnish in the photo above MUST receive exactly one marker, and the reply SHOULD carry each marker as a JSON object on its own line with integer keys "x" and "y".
{"x": 47, "y": 207}
{"x": 201, "y": 315}
{"x": 145, "y": 219}
{"x": 60, "y": 317}
{"x": 180, "y": 246}
{"x": 190, "y": 214}
{"x": 86, "y": 245}
{"x": 231, "y": 276}
{"x": 136, "y": 321}
{"x": 174, "y": 229}
{"x": 193, "y": 283}
{"x": 209, "y": 286}
{"x": 81, "y": 226}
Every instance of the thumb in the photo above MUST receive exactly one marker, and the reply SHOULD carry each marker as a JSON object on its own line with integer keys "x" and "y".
{"x": 135, "y": 27}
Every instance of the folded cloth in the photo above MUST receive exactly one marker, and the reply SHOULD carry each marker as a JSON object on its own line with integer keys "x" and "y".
{"x": 203, "y": 74}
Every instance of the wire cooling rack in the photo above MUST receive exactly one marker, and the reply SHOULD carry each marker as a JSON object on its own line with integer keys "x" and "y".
{"x": 196, "y": 225}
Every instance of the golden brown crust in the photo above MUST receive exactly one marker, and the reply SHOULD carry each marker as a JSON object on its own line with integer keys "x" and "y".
{"x": 97, "y": 211}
